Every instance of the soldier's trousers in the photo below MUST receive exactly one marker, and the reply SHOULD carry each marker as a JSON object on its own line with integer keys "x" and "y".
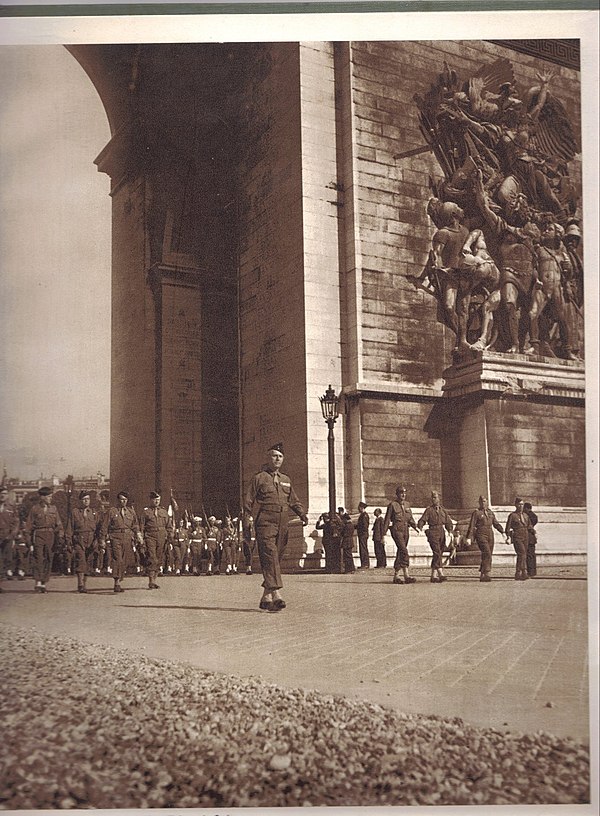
{"x": 531, "y": 556}
{"x": 347, "y": 557}
{"x": 227, "y": 554}
{"x": 43, "y": 549}
{"x": 271, "y": 538}
{"x": 333, "y": 553}
{"x": 380, "y": 553}
{"x": 363, "y": 550}
{"x": 400, "y": 537}
{"x": 83, "y": 553}
{"x": 520, "y": 541}
{"x": 117, "y": 557}
{"x": 486, "y": 546}
{"x": 436, "y": 537}
{"x": 6, "y": 556}
{"x": 177, "y": 556}
{"x": 249, "y": 546}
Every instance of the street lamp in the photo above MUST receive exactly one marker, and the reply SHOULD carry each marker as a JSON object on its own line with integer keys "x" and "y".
{"x": 329, "y": 406}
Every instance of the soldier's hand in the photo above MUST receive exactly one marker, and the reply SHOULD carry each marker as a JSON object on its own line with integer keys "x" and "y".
{"x": 304, "y": 519}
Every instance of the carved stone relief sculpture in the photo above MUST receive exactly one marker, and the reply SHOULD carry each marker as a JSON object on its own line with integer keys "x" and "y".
{"x": 504, "y": 263}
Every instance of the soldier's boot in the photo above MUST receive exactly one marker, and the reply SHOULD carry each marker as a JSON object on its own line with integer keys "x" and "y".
{"x": 81, "y": 582}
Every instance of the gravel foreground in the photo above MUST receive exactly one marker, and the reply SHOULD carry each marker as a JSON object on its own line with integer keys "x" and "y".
{"x": 97, "y": 727}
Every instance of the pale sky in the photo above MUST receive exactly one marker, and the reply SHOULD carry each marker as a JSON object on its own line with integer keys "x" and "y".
{"x": 54, "y": 267}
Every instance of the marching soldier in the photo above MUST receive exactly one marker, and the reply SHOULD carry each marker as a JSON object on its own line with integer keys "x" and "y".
{"x": 197, "y": 546}
{"x": 180, "y": 544}
{"x": 120, "y": 527}
{"x": 481, "y": 528}
{"x": 213, "y": 545}
{"x": 518, "y": 525}
{"x": 438, "y": 520}
{"x": 227, "y": 546}
{"x": 9, "y": 528}
{"x": 399, "y": 517}
{"x": 82, "y": 537}
{"x": 272, "y": 492}
{"x": 156, "y": 527}
{"x": 42, "y": 526}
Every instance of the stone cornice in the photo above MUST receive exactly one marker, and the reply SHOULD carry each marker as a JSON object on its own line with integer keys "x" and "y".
{"x": 515, "y": 375}
{"x": 390, "y": 390}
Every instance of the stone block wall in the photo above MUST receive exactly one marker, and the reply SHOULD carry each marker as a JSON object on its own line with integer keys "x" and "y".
{"x": 401, "y": 339}
{"x": 536, "y": 451}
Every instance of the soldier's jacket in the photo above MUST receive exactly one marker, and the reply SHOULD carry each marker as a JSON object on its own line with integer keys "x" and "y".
{"x": 84, "y": 526}
{"x": 181, "y": 537}
{"x": 378, "y": 529}
{"x": 119, "y": 523}
{"x": 272, "y": 494}
{"x": 399, "y": 516}
{"x": 156, "y": 523}
{"x": 214, "y": 536}
{"x": 9, "y": 521}
{"x": 43, "y": 518}
{"x": 482, "y": 523}
{"x": 362, "y": 524}
{"x": 436, "y": 518}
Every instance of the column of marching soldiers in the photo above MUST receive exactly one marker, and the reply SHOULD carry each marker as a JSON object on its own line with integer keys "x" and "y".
{"x": 115, "y": 540}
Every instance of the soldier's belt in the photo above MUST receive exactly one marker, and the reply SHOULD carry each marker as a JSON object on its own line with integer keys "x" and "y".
{"x": 272, "y": 508}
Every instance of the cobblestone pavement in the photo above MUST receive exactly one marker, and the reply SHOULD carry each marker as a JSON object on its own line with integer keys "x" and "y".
{"x": 504, "y": 654}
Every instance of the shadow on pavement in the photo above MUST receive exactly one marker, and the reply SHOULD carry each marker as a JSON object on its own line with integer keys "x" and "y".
{"x": 194, "y": 608}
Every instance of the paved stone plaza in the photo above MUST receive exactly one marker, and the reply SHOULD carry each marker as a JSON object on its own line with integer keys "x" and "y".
{"x": 508, "y": 653}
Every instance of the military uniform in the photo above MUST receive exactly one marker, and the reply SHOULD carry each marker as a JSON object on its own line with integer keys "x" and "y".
{"x": 198, "y": 551}
{"x": 378, "y": 545}
{"x": 82, "y": 535}
{"x": 213, "y": 548}
{"x": 399, "y": 517}
{"x": 156, "y": 527}
{"x": 362, "y": 532}
{"x": 438, "y": 520}
{"x": 9, "y": 527}
{"x": 42, "y": 526}
{"x": 481, "y": 530}
{"x": 120, "y": 526}
{"x": 531, "y": 545}
{"x": 180, "y": 544}
{"x": 332, "y": 542}
{"x": 274, "y": 495}
{"x": 517, "y": 527}
{"x": 347, "y": 544}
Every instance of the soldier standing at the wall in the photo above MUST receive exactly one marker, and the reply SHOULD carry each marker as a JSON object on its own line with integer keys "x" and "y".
{"x": 378, "y": 536}
{"x": 228, "y": 544}
{"x": 517, "y": 528}
{"x": 399, "y": 517}
{"x": 362, "y": 532}
{"x": 347, "y": 544}
{"x": 156, "y": 527}
{"x": 531, "y": 541}
{"x": 481, "y": 529}
{"x": 120, "y": 526}
{"x": 9, "y": 527}
{"x": 272, "y": 492}
{"x": 82, "y": 536}
{"x": 438, "y": 520}
{"x": 332, "y": 541}
{"x": 42, "y": 526}
{"x": 197, "y": 547}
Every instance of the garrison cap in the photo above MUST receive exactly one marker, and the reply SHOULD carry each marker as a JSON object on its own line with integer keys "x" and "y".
{"x": 83, "y": 494}
{"x": 124, "y": 494}
{"x": 44, "y": 491}
{"x": 482, "y": 498}
{"x": 154, "y": 495}
{"x": 278, "y": 446}
{"x": 362, "y": 504}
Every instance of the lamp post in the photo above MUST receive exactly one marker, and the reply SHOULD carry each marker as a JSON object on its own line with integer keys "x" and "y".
{"x": 329, "y": 406}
